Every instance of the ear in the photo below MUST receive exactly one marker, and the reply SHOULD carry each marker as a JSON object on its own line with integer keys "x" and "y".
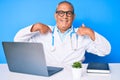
{"x": 55, "y": 15}
{"x": 73, "y": 16}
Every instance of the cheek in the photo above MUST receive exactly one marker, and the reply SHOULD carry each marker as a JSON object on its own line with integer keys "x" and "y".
{"x": 58, "y": 19}
{"x": 70, "y": 21}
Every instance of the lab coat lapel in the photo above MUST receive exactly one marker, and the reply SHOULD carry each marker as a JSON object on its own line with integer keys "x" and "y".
{"x": 57, "y": 38}
{"x": 63, "y": 48}
{"x": 57, "y": 44}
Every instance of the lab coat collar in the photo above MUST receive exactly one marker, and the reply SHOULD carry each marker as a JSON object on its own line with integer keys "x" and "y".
{"x": 63, "y": 35}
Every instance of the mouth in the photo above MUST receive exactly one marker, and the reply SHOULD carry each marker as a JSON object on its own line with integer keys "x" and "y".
{"x": 64, "y": 21}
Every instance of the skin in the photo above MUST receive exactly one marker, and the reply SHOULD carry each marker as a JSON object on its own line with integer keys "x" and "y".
{"x": 64, "y": 23}
{"x": 42, "y": 28}
{"x": 83, "y": 30}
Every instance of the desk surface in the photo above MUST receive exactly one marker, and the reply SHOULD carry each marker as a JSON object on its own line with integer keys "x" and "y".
{"x": 66, "y": 74}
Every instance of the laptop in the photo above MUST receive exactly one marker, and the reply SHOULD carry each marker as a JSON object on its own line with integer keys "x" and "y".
{"x": 29, "y": 58}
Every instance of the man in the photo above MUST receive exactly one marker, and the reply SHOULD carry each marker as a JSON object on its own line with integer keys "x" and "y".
{"x": 63, "y": 43}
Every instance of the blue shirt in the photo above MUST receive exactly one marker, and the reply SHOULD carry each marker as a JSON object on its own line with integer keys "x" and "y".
{"x": 63, "y": 35}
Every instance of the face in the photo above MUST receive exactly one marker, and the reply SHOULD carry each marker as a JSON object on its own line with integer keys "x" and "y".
{"x": 64, "y": 17}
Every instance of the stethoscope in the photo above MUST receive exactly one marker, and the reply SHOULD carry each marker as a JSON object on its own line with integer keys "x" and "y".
{"x": 74, "y": 44}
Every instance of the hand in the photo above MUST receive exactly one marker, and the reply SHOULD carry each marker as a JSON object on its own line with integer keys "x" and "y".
{"x": 42, "y": 28}
{"x": 83, "y": 30}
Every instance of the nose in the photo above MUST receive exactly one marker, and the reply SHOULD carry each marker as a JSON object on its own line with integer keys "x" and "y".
{"x": 65, "y": 15}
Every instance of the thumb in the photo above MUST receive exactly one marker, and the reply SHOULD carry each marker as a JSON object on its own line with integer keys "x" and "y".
{"x": 83, "y": 25}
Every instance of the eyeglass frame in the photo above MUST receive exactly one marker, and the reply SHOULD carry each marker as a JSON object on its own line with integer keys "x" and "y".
{"x": 65, "y": 12}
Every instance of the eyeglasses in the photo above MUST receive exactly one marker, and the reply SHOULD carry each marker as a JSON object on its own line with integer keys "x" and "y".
{"x": 62, "y": 13}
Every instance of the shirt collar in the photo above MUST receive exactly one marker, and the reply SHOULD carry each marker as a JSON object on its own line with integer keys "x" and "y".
{"x": 63, "y": 35}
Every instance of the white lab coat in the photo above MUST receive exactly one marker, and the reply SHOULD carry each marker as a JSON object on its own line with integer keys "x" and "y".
{"x": 64, "y": 53}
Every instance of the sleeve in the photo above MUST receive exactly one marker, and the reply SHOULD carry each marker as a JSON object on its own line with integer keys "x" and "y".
{"x": 100, "y": 46}
{"x": 25, "y": 35}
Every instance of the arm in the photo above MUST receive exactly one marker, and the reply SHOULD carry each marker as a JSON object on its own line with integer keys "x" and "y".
{"x": 42, "y": 28}
{"x": 98, "y": 44}
{"x": 27, "y": 34}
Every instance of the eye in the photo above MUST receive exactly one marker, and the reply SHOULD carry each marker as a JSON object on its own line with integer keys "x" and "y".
{"x": 69, "y": 13}
{"x": 60, "y": 12}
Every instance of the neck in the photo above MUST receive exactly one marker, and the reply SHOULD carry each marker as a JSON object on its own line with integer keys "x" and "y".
{"x": 63, "y": 31}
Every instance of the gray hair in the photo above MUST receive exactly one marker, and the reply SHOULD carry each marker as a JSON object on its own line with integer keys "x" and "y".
{"x": 67, "y": 3}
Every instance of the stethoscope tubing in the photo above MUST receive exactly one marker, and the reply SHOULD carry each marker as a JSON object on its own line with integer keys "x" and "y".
{"x": 73, "y": 32}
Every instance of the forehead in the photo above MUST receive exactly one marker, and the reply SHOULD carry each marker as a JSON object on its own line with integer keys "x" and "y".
{"x": 64, "y": 7}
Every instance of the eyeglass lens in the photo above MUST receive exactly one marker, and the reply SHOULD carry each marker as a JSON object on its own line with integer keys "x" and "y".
{"x": 62, "y": 13}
